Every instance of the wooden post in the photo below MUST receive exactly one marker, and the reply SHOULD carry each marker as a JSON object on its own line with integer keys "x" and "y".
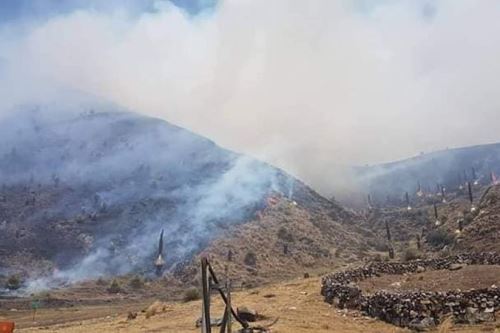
{"x": 205, "y": 316}
{"x": 436, "y": 211}
{"x": 228, "y": 307}
{"x": 419, "y": 245}
{"x": 471, "y": 199}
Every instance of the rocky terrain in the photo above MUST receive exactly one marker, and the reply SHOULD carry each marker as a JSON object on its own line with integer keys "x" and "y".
{"x": 85, "y": 194}
{"x": 416, "y": 309}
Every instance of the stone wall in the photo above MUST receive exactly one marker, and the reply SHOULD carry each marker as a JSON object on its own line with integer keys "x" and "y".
{"x": 417, "y": 310}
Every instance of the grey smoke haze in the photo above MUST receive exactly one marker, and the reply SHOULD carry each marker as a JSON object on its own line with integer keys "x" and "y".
{"x": 120, "y": 178}
{"x": 306, "y": 85}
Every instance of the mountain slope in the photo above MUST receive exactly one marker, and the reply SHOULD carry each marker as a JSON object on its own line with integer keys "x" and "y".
{"x": 88, "y": 193}
{"x": 449, "y": 168}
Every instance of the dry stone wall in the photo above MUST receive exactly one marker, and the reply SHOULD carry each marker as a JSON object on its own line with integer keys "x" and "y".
{"x": 417, "y": 310}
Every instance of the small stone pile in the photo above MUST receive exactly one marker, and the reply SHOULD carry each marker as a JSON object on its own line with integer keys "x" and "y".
{"x": 417, "y": 310}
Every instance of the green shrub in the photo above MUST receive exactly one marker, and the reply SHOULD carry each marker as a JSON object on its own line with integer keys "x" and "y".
{"x": 191, "y": 294}
{"x": 440, "y": 237}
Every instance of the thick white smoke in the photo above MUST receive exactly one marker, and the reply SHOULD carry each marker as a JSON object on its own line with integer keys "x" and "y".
{"x": 306, "y": 85}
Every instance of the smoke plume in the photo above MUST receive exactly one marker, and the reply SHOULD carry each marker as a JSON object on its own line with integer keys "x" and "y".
{"x": 310, "y": 86}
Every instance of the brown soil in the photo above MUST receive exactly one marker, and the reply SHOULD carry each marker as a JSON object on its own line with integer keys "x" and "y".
{"x": 469, "y": 277}
{"x": 296, "y": 303}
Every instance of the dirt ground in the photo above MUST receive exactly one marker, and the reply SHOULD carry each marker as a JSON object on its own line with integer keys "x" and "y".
{"x": 296, "y": 303}
{"x": 469, "y": 277}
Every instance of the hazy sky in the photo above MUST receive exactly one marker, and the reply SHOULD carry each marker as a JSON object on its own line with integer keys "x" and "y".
{"x": 307, "y": 85}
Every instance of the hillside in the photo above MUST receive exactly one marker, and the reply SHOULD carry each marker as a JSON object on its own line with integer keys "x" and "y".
{"x": 482, "y": 232}
{"x": 85, "y": 194}
{"x": 450, "y": 168}
{"x": 286, "y": 240}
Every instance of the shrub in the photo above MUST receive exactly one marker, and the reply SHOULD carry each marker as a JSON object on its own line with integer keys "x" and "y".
{"x": 440, "y": 237}
{"x": 136, "y": 283}
{"x": 468, "y": 218}
{"x": 114, "y": 287}
{"x": 285, "y": 235}
{"x": 250, "y": 259}
{"x": 13, "y": 282}
{"x": 191, "y": 294}
{"x": 411, "y": 254}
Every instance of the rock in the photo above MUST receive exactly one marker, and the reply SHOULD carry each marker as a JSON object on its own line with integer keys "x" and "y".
{"x": 246, "y": 314}
{"x": 420, "y": 269}
{"x": 214, "y": 322}
{"x": 419, "y": 310}
{"x": 131, "y": 315}
{"x": 422, "y": 324}
{"x": 455, "y": 267}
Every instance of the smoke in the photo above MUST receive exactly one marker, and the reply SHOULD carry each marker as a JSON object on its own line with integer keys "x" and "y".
{"x": 117, "y": 179}
{"x": 311, "y": 86}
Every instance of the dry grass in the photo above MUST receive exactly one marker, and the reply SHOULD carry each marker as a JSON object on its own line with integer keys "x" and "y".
{"x": 446, "y": 325}
{"x": 297, "y": 303}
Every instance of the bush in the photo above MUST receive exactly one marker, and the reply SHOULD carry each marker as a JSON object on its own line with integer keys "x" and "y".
{"x": 13, "y": 283}
{"x": 439, "y": 237}
{"x": 191, "y": 294}
{"x": 114, "y": 287}
{"x": 285, "y": 235}
{"x": 136, "y": 283}
{"x": 411, "y": 254}
{"x": 250, "y": 259}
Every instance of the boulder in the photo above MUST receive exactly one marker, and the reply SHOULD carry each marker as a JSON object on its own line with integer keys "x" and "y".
{"x": 246, "y": 314}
